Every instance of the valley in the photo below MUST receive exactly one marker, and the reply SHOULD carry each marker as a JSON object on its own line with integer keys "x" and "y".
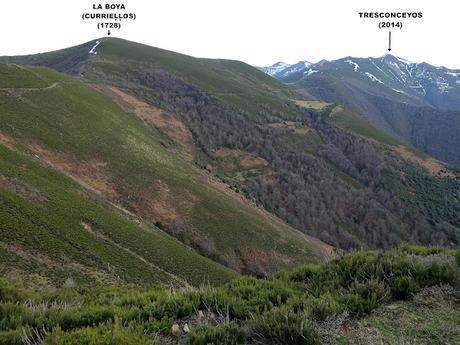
{"x": 415, "y": 102}
{"x": 148, "y": 196}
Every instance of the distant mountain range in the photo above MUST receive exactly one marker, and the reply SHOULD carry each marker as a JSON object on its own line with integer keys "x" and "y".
{"x": 412, "y": 82}
{"x": 416, "y": 102}
{"x": 282, "y": 69}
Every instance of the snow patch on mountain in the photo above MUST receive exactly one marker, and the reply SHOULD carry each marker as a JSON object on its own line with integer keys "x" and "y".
{"x": 93, "y": 49}
{"x": 381, "y": 70}
{"x": 399, "y": 91}
{"x": 275, "y": 68}
{"x": 374, "y": 78}
{"x": 354, "y": 64}
{"x": 404, "y": 60}
{"x": 443, "y": 85}
{"x": 282, "y": 69}
{"x": 310, "y": 72}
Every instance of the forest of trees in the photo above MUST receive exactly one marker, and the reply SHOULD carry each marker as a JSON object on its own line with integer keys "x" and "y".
{"x": 305, "y": 190}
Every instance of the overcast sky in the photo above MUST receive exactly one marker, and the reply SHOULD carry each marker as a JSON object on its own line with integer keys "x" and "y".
{"x": 259, "y": 32}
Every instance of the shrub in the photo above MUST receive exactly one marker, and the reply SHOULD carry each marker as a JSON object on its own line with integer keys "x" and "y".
{"x": 420, "y": 250}
{"x": 246, "y": 296}
{"x": 176, "y": 305}
{"x": 282, "y": 326}
{"x": 436, "y": 271}
{"x": 304, "y": 306}
{"x": 10, "y": 293}
{"x": 13, "y": 316}
{"x": 107, "y": 334}
{"x": 362, "y": 297}
{"x": 11, "y": 338}
{"x": 403, "y": 287}
{"x": 324, "y": 306}
{"x": 220, "y": 335}
{"x": 302, "y": 274}
{"x": 89, "y": 316}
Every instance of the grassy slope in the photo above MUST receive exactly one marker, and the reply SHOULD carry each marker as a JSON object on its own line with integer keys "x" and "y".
{"x": 350, "y": 121}
{"x": 234, "y": 82}
{"x": 49, "y": 58}
{"x": 74, "y": 119}
{"x": 432, "y": 318}
{"x": 47, "y": 240}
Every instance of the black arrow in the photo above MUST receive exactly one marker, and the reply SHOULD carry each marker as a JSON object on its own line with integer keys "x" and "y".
{"x": 389, "y": 41}
{"x": 108, "y": 33}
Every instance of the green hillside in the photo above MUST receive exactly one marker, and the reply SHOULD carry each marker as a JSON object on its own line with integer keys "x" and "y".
{"x": 84, "y": 134}
{"x": 247, "y": 149}
{"x": 201, "y": 90}
{"x": 236, "y": 83}
{"x": 351, "y": 121}
{"x": 51, "y": 232}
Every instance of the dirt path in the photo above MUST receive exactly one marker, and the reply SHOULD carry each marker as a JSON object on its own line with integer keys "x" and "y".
{"x": 49, "y": 87}
{"x": 178, "y": 281}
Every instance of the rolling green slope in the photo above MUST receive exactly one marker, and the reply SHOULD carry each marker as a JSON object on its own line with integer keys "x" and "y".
{"x": 235, "y": 83}
{"x": 351, "y": 121}
{"x": 296, "y": 163}
{"x": 84, "y": 134}
{"x": 51, "y": 232}
{"x": 169, "y": 80}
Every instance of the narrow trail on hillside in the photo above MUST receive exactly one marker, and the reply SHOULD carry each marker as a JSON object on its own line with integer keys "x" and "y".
{"x": 49, "y": 87}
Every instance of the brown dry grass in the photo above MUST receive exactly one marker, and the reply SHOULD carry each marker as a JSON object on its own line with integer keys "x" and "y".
{"x": 296, "y": 127}
{"x": 261, "y": 258}
{"x": 90, "y": 174}
{"x": 433, "y": 166}
{"x": 171, "y": 124}
{"x": 245, "y": 159}
{"x": 156, "y": 204}
{"x": 7, "y": 141}
{"x": 22, "y": 189}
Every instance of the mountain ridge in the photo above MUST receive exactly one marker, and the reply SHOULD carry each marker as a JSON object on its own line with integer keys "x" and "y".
{"x": 423, "y": 96}
{"x": 74, "y": 129}
{"x": 259, "y": 139}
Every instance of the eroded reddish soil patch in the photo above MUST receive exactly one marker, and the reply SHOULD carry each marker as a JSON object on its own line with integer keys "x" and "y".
{"x": 245, "y": 159}
{"x": 22, "y": 189}
{"x": 433, "y": 166}
{"x": 156, "y": 204}
{"x": 7, "y": 141}
{"x": 171, "y": 124}
{"x": 90, "y": 174}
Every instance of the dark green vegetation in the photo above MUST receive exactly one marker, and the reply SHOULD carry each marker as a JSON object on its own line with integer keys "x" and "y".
{"x": 314, "y": 304}
{"x": 436, "y": 199}
{"x": 134, "y": 169}
{"x": 70, "y": 60}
